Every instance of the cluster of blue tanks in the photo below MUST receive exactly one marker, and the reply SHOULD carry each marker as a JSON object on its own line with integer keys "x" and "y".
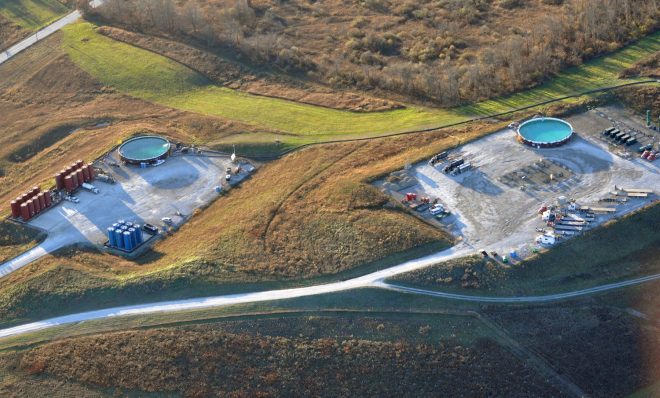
{"x": 125, "y": 235}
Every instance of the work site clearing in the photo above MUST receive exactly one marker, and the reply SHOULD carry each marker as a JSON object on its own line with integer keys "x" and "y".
{"x": 157, "y": 196}
{"x": 509, "y": 200}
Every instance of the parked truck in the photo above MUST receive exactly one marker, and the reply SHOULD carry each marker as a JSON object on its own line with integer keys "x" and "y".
{"x": 89, "y": 187}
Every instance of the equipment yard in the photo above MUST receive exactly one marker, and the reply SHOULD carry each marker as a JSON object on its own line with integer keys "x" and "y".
{"x": 164, "y": 196}
{"x": 496, "y": 203}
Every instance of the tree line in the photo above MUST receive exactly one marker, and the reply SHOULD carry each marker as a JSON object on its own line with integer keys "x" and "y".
{"x": 436, "y": 69}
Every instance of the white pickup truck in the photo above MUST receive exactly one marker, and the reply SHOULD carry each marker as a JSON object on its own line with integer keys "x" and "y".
{"x": 90, "y": 187}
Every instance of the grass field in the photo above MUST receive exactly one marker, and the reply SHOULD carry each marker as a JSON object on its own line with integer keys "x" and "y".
{"x": 152, "y": 77}
{"x": 32, "y": 14}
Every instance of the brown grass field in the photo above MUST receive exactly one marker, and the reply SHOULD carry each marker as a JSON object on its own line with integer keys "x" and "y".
{"x": 208, "y": 360}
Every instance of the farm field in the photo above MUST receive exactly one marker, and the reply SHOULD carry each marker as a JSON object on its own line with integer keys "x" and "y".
{"x": 166, "y": 82}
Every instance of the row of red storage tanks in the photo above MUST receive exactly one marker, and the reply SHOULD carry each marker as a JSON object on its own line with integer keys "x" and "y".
{"x": 31, "y": 203}
{"x": 73, "y": 176}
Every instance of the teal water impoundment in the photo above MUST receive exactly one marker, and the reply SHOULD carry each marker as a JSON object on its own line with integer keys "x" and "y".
{"x": 144, "y": 149}
{"x": 545, "y": 131}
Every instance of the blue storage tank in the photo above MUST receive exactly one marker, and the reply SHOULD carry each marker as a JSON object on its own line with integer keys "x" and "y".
{"x": 128, "y": 243}
{"x": 111, "y": 237}
{"x": 119, "y": 238}
{"x": 116, "y": 225}
{"x": 134, "y": 241}
{"x": 124, "y": 227}
{"x": 138, "y": 233}
{"x": 129, "y": 224}
{"x": 122, "y": 222}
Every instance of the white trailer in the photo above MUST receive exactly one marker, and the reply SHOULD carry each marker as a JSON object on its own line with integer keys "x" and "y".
{"x": 89, "y": 187}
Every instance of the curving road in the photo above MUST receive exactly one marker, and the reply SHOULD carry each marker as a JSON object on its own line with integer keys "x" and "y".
{"x": 375, "y": 279}
{"x": 44, "y": 32}
{"x": 517, "y": 299}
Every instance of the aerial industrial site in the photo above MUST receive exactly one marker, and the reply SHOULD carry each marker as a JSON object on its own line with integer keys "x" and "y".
{"x": 374, "y": 198}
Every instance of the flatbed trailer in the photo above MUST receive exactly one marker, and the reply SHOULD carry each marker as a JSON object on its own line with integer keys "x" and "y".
{"x": 601, "y": 209}
{"x": 572, "y": 223}
{"x": 635, "y": 190}
{"x": 568, "y": 228}
{"x": 638, "y": 194}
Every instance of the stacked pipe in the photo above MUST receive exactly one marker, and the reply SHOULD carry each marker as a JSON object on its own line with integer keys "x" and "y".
{"x": 73, "y": 176}
{"x": 30, "y": 203}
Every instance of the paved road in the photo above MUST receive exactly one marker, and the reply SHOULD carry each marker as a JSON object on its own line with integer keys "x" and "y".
{"x": 43, "y": 33}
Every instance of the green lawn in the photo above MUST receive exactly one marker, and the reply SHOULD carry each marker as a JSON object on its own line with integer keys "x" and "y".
{"x": 32, "y": 14}
{"x": 149, "y": 76}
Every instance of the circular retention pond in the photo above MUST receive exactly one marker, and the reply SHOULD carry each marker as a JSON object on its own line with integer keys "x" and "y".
{"x": 144, "y": 149}
{"x": 545, "y": 132}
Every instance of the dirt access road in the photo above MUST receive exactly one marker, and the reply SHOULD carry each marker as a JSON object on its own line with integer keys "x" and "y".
{"x": 374, "y": 279}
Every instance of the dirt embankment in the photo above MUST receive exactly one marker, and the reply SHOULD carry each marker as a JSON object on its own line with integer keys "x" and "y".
{"x": 233, "y": 75}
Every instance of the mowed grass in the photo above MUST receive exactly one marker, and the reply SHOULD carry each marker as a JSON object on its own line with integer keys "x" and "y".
{"x": 155, "y": 78}
{"x": 32, "y": 14}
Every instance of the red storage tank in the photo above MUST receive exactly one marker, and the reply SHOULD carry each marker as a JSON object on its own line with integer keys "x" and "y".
{"x": 37, "y": 204}
{"x": 30, "y": 205}
{"x": 59, "y": 180}
{"x": 35, "y": 191}
{"x": 25, "y": 197}
{"x": 81, "y": 177}
{"x": 68, "y": 183}
{"x": 90, "y": 169}
{"x": 79, "y": 163}
{"x": 74, "y": 179}
{"x": 15, "y": 209}
{"x": 42, "y": 200}
{"x": 25, "y": 211}
{"x": 85, "y": 172}
{"x": 48, "y": 198}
